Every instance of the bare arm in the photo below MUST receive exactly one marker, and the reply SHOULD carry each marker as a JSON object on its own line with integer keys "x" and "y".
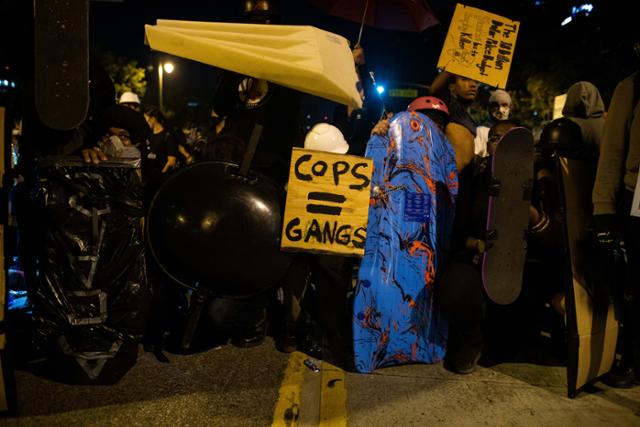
{"x": 381, "y": 128}
{"x": 441, "y": 81}
{"x": 187, "y": 156}
{"x": 461, "y": 139}
{"x": 171, "y": 162}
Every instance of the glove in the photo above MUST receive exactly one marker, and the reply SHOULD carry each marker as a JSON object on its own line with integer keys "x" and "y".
{"x": 604, "y": 230}
{"x": 606, "y": 233}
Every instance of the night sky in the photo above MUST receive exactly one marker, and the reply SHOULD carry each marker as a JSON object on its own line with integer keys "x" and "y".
{"x": 597, "y": 46}
{"x": 417, "y": 52}
{"x": 600, "y": 42}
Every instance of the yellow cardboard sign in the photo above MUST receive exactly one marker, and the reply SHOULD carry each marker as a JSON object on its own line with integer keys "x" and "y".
{"x": 327, "y": 203}
{"x": 479, "y": 45}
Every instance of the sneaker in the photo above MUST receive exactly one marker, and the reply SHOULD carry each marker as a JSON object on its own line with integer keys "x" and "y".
{"x": 621, "y": 377}
{"x": 254, "y": 337}
{"x": 248, "y": 342}
{"x": 462, "y": 368}
{"x": 463, "y": 350}
{"x": 286, "y": 344}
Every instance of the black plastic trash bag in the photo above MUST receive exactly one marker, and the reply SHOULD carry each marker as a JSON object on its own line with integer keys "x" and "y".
{"x": 91, "y": 295}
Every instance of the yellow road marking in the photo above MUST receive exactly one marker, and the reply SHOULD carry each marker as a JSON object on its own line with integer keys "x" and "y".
{"x": 287, "y": 411}
{"x": 333, "y": 397}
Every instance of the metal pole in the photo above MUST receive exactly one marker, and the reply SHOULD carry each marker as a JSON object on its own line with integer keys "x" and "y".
{"x": 160, "y": 76}
{"x": 364, "y": 17}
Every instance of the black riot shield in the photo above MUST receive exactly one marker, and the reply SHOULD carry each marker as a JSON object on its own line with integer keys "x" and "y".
{"x": 208, "y": 226}
{"x": 592, "y": 326}
{"x": 591, "y": 321}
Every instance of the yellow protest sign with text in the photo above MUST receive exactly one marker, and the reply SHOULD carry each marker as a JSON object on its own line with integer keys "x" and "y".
{"x": 327, "y": 203}
{"x": 479, "y": 45}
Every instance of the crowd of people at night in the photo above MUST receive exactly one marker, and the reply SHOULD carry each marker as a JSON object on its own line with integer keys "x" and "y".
{"x": 311, "y": 308}
{"x": 477, "y": 326}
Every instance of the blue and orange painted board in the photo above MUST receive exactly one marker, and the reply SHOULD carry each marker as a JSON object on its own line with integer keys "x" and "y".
{"x": 411, "y": 214}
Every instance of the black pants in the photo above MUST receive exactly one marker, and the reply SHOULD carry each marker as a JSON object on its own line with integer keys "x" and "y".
{"x": 477, "y": 324}
{"x": 331, "y": 276}
{"x": 630, "y": 304}
{"x": 461, "y": 298}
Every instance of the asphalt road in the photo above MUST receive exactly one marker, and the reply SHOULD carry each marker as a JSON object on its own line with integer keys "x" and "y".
{"x": 261, "y": 387}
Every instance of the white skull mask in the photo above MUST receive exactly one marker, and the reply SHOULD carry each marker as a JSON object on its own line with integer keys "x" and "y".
{"x": 501, "y": 112}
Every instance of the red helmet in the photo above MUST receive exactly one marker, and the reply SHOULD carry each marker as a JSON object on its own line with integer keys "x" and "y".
{"x": 428, "y": 103}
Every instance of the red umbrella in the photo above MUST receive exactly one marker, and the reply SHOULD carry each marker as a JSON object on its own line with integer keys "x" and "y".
{"x": 404, "y": 15}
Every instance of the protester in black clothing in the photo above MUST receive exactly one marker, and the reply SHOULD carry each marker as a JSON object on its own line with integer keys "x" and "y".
{"x": 195, "y": 139}
{"x": 129, "y": 128}
{"x": 461, "y": 295}
{"x": 576, "y": 135}
{"x": 356, "y": 124}
{"x": 225, "y": 148}
{"x": 361, "y": 121}
{"x": 161, "y": 148}
{"x": 159, "y": 153}
{"x": 243, "y": 321}
{"x": 331, "y": 275}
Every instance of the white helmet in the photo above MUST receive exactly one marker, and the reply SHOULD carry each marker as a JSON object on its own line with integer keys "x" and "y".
{"x": 326, "y": 137}
{"x": 129, "y": 98}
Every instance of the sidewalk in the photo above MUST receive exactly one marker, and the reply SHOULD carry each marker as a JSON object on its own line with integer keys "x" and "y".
{"x": 503, "y": 395}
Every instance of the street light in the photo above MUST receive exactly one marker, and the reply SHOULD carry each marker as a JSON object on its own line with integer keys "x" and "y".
{"x": 167, "y": 67}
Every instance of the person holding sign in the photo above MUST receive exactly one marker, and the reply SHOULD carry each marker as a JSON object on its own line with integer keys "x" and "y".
{"x": 330, "y": 274}
{"x": 479, "y": 47}
{"x": 459, "y": 93}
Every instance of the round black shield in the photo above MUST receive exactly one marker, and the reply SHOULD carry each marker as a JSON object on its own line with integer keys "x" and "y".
{"x": 209, "y": 226}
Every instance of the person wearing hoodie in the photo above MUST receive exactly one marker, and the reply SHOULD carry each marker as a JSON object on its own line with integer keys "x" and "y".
{"x": 576, "y": 135}
{"x": 613, "y": 197}
{"x": 458, "y": 93}
{"x": 584, "y": 106}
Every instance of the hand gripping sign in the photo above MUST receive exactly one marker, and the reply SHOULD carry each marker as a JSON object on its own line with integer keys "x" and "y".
{"x": 480, "y": 46}
{"x": 327, "y": 203}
